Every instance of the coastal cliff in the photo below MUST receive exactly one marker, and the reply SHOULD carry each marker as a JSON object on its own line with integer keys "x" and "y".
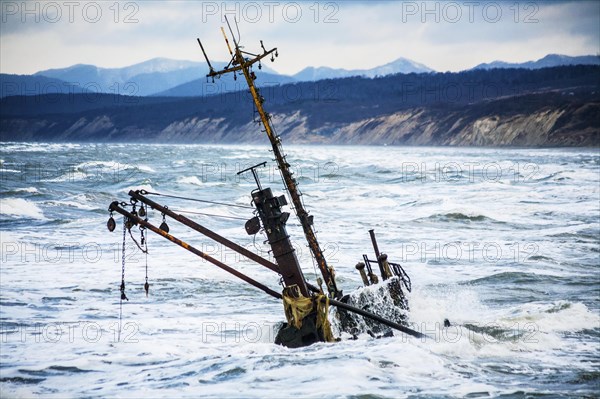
{"x": 560, "y": 107}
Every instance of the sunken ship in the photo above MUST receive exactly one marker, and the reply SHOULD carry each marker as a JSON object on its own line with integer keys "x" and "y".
{"x": 379, "y": 309}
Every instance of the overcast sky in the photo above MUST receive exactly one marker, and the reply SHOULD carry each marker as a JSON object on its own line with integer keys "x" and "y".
{"x": 446, "y": 35}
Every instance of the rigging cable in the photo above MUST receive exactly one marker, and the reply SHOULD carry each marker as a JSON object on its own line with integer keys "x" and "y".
{"x": 145, "y": 251}
{"x": 210, "y": 214}
{"x": 144, "y": 192}
{"x": 238, "y": 30}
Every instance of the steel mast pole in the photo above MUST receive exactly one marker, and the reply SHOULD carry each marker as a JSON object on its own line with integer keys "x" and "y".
{"x": 240, "y": 63}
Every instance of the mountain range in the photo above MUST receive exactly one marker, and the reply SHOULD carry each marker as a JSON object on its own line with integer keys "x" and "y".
{"x": 549, "y": 61}
{"x": 141, "y": 79}
{"x": 178, "y": 78}
{"x": 558, "y": 106}
{"x": 401, "y": 65}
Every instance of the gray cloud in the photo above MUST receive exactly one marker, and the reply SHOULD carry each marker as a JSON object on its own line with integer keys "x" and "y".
{"x": 357, "y": 34}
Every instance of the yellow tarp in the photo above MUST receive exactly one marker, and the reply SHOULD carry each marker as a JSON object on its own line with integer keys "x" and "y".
{"x": 296, "y": 309}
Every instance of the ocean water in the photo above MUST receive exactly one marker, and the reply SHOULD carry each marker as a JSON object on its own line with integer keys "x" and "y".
{"x": 505, "y": 243}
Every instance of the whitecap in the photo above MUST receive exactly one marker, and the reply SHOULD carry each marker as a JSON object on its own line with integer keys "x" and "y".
{"x": 559, "y": 316}
{"x": 68, "y": 177}
{"x": 21, "y": 208}
{"x": 38, "y": 147}
{"x": 70, "y": 204}
{"x": 31, "y": 190}
{"x": 145, "y": 168}
{"x": 189, "y": 180}
{"x": 106, "y": 166}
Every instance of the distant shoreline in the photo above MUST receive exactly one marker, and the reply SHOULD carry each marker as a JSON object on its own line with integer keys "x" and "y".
{"x": 543, "y": 108}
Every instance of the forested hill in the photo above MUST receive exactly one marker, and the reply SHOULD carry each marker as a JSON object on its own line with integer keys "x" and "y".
{"x": 557, "y": 106}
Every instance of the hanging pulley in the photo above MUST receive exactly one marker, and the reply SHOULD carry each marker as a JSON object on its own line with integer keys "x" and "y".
{"x": 128, "y": 224}
{"x": 164, "y": 226}
{"x": 111, "y": 225}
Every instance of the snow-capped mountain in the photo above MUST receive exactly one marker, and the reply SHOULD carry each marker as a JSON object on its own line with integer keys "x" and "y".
{"x": 551, "y": 60}
{"x": 146, "y": 78}
{"x": 401, "y": 65}
{"x": 141, "y": 79}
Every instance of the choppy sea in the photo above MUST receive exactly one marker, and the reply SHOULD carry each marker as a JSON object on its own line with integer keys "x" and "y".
{"x": 505, "y": 243}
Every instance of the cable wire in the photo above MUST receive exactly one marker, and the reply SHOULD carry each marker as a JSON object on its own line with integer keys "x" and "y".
{"x": 144, "y": 192}
{"x": 210, "y": 214}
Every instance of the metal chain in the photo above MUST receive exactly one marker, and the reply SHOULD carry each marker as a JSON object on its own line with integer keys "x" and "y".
{"x": 144, "y": 241}
{"x": 122, "y": 279}
{"x": 123, "y": 261}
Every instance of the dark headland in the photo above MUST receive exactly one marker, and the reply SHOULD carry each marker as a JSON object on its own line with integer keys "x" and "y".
{"x": 548, "y": 107}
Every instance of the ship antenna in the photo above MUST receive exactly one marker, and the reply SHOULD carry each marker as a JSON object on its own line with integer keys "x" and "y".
{"x": 231, "y": 31}
{"x": 210, "y": 68}
{"x": 238, "y": 31}
{"x": 236, "y": 27}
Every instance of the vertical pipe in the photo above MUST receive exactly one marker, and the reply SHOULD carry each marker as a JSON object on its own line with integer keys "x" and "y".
{"x": 377, "y": 254}
{"x": 360, "y": 266}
